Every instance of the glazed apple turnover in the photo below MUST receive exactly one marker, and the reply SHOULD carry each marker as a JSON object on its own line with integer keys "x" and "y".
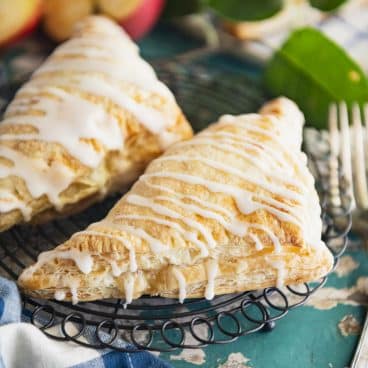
{"x": 88, "y": 122}
{"x": 232, "y": 209}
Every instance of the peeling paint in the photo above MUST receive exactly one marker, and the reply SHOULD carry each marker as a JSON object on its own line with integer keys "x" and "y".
{"x": 194, "y": 356}
{"x": 346, "y": 265}
{"x": 235, "y": 360}
{"x": 329, "y": 297}
{"x": 349, "y": 326}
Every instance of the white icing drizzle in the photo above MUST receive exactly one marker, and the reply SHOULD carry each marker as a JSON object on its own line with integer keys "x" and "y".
{"x": 129, "y": 288}
{"x": 73, "y": 285}
{"x": 190, "y": 236}
{"x": 9, "y": 202}
{"x": 212, "y": 270}
{"x": 269, "y": 153}
{"x": 59, "y": 295}
{"x": 275, "y": 240}
{"x": 156, "y": 246}
{"x": 243, "y": 198}
{"x": 236, "y": 226}
{"x": 193, "y": 198}
{"x": 181, "y": 284}
{"x": 91, "y": 46}
{"x": 165, "y": 211}
{"x": 132, "y": 70}
{"x": 116, "y": 271}
{"x": 83, "y": 260}
{"x": 275, "y": 157}
{"x": 39, "y": 177}
{"x": 278, "y": 131}
{"x": 276, "y": 154}
{"x": 265, "y": 165}
{"x": 281, "y": 272}
{"x": 73, "y": 118}
{"x": 153, "y": 120}
{"x": 271, "y": 187}
{"x": 257, "y": 242}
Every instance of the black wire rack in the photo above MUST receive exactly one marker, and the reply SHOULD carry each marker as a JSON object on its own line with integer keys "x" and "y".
{"x": 159, "y": 324}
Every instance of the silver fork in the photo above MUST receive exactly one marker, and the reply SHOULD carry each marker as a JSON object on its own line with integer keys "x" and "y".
{"x": 347, "y": 145}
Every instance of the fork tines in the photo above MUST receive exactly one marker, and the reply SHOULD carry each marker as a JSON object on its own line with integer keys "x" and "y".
{"x": 347, "y": 146}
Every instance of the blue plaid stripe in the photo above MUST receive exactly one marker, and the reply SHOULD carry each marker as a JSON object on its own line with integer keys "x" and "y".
{"x": 10, "y": 313}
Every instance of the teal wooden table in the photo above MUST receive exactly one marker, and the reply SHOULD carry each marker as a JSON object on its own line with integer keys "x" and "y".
{"x": 323, "y": 333}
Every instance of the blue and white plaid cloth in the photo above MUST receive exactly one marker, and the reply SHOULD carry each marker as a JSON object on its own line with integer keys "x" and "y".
{"x": 24, "y": 346}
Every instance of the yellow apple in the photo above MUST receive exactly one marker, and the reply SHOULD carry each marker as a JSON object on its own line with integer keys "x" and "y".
{"x": 18, "y": 18}
{"x": 60, "y": 16}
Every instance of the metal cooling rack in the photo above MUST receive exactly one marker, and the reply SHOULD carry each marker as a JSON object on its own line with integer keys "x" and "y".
{"x": 159, "y": 324}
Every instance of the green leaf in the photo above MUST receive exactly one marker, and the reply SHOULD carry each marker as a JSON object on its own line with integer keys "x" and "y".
{"x": 178, "y": 8}
{"x": 245, "y": 10}
{"x": 326, "y": 5}
{"x": 314, "y": 71}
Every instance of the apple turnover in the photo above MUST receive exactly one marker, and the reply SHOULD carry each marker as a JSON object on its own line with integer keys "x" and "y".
{"x": 232, "y": 209}
{"x": 87, "y": 123}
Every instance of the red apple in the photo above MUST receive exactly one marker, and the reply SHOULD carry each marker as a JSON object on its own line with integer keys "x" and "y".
{"x": 18, "y": 18}
{"x": 136, "y": 16}
{"x": 118, "y": 9}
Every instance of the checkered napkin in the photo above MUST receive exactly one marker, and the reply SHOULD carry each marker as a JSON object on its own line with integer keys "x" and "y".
{"x": 24, "y": 345}
{"x": 348, "y": 27}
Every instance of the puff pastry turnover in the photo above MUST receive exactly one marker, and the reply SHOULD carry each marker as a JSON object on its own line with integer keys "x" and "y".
{"x": 88, "y": 122}
{"x": 232, "y": 209}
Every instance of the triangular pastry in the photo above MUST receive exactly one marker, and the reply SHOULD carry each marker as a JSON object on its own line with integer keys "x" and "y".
{"x": 88, "y": 122}
{"x": 232, "y": 209}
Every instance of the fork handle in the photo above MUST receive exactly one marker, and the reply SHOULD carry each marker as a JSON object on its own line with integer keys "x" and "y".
{"x": 360, "y": 359}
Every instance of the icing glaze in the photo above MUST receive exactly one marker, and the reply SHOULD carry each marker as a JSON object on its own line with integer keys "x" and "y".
{"x": 128, "y": 288}
{"x": 165, "y": 211}
{"x": 257, "y": 242}
{"x": 190, "y": 236}
{"x": 9, "y": 202}
{"x": 181, "y": 284}
{"x": 116, "y": 271}
{"x": 40, "y": 178}
{"x": 212, "y": 270}
{"x": 281, "y": 272}
{"x": 74, "y": 291}
{"x": 66, "y": 112}
{"x": 59, "y": 295}
{"x": 83, "y": 260}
